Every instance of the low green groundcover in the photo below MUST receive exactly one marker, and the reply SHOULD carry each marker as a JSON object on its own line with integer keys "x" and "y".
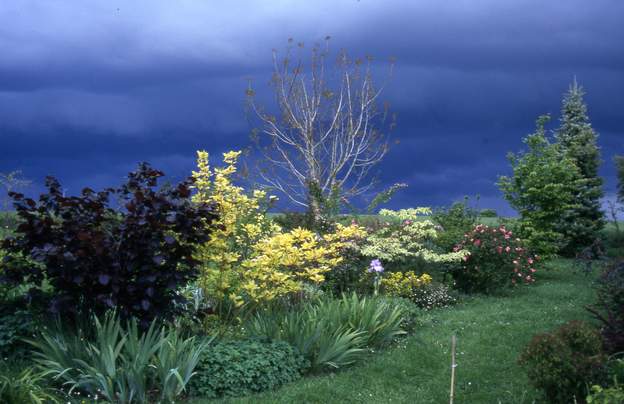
{"x": 236, "y": 368}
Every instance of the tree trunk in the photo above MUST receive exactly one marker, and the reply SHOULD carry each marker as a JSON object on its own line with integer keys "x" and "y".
{"x": 314, "y": 202}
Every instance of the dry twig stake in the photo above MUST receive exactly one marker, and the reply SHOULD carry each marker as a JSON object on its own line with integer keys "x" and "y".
{"x": 453, "y": 366}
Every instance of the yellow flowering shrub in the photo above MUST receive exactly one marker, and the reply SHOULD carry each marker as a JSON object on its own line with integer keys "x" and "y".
{"x": 284, "y": 262}
{"x": 403, "y": 283}
{"x": 249, "y": 258}
{"x": 242, "y": 223}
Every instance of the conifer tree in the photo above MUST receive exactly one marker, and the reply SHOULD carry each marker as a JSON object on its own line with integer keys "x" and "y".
{"x": 543, "y": 189}
{"x": 578, "y": 141}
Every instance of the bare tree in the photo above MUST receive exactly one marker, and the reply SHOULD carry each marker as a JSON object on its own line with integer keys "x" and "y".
{"x": 325, "y": 137}
{"x": 12, "y": 181}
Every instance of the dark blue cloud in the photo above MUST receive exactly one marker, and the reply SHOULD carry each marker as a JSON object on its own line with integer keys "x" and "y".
{"x": 87, "y": 89}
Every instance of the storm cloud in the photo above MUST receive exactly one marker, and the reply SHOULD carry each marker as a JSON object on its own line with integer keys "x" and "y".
{"x": 88, "y": 89}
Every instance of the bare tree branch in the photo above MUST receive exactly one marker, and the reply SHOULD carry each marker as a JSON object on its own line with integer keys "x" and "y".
{"x": 9, "y": 182}
{"x": 327, "y": 135}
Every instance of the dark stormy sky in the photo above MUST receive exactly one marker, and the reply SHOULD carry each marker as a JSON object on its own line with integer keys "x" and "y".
{"x": 89, "y": 88}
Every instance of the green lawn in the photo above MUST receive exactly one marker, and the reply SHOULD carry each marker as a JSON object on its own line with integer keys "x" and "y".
{"x": 491, "y": 332}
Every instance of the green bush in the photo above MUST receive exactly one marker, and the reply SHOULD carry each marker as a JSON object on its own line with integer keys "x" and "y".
{"x": 455, "y": 221}
{"x": 612, "y": 238}
{"x": 292, "y": 220}
{"x": 488, "y": 213}
{"x": 332, "y": 333}
{"x": 237, "y": 368}
{"x": 544, "y": 189}
{"x": 608, "y": 395}
{"x": 406, "y": 242}
{"x": 421, "y": 290}
{"x": 613, "y": 391}
{"x": 378, "y": 319}
{"x": 25, "y": 386}
{"x": 122, "y": 365}
{"x": 348, "y": 276}
{"x": 411, "y": 318}
{"x": 495, "y": 259}
{"x": 434, "y": 295}
{"x": 15, "y": 325}
{"x": 562, "y": 363}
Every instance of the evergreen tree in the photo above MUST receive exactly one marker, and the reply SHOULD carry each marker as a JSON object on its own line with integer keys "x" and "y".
{"x": 578, "y": 141}
{"x": 543, "y": 190}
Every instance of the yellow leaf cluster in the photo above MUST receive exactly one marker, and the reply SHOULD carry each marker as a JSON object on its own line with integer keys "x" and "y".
{"x": 242, "y": 223}
{"x": 283, "y": 263}
{"x": 403, "y": 283}
{"x": 249, "y": 259}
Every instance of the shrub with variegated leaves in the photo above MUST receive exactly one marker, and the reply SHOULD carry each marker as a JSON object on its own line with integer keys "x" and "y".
{"x": 407, "y": 234}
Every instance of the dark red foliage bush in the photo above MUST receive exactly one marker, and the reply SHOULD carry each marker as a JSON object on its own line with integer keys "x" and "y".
{"x": 609, "y": 309}
{"x": 129, "y": 248}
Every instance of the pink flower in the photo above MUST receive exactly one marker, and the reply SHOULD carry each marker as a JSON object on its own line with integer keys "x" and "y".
{"x": 507, "y": 236}
{"x": 477, "y": 242}
{"x": 507, "y": 249}
{"x": 532, "y": 270}
{"x": 499, "y": 249}
{"x": 530, "y": 261}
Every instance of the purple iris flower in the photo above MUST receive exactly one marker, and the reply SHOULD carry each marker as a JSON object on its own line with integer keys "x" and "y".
{"x": 376, "y": 267}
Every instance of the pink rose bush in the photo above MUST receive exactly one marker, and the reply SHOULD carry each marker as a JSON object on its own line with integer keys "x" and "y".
{"x": 494, "y": 259}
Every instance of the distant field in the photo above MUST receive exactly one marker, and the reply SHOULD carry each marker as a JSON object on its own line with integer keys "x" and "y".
{"x": 365, "y": 219}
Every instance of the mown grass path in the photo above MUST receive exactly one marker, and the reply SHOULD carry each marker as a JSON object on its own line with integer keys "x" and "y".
{"x": 491, "y": 332}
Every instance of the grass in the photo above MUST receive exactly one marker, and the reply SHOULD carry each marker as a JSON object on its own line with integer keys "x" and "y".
{"x": 491, "y": 332}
